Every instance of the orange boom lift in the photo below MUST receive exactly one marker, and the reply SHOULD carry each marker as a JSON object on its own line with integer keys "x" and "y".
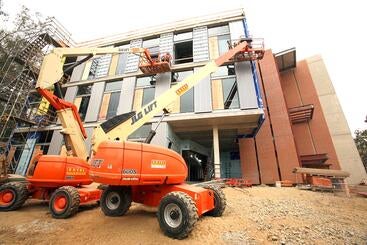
{"x": 131, "y": 172}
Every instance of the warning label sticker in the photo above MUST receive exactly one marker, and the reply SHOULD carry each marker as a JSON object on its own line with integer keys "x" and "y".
{"x": 158, "y": 164}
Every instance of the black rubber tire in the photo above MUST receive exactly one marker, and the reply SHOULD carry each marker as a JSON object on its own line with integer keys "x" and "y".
{"x": 72, "y": 205}
{"x": 220, "y": 201}
{"x": 20, "y": 193}
{"x": 111, "y": 194}
{"x": 188, "y": 211}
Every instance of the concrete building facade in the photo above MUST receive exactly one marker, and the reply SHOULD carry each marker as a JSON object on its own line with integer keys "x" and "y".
{"x": 256, "y": 120}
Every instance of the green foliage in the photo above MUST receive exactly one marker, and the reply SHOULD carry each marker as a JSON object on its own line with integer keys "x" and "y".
{"x": 361, "y": 143}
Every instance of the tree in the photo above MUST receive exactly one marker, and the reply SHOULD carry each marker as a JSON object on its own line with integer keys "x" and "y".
{"x": 361, "y": 143}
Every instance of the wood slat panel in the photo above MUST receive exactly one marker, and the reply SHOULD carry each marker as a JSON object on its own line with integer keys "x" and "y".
{"x": 113, "y": 65}
{"x": 217, "y": 95}
{"x": 77, "y": 102}
{"x": 104, "y": 106}
{"x": 138, "y": 98}
{"x": 213, "y": 48}
{"x": 88, "y": 64}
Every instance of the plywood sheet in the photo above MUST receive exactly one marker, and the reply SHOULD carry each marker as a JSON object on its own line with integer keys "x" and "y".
{"x": 85, "y": 75}
{"x": 138, "y": 97}
{"x": 104, "y": 106}
{"x": 77, "y": 102}
{"x": 213, "y": 47}
{"x": 217, "y": 95}
{"x": 113, "y": 65}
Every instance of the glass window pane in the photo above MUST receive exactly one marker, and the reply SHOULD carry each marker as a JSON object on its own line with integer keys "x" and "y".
{"x": 111, "y": 86}
{"x": 223, "y": 43}
{"x": 141, "y": 133}
{"x": 224, "y": 71}
{"x": 148, "y": 95}
{"x": 182, "y": 36}
{"x": 143, "y": 81}
{"x": 187, "y": 101}
{"x": 83, "y": 107}
{"x": 113, "y": 104}
{"x": 84, "y": 89}
{"x": 183, "y": 52}
{"x": 180, "y": 76}
{"x": 214, "y": 31}
{"x": 230, "y": 93}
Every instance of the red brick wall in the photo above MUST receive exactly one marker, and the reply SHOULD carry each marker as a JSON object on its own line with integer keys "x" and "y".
{"x": 312, "y": 137}
{"x": 278, "y": 114}
{"x": 278, "y": 144}
{"x": 248, "y": 160}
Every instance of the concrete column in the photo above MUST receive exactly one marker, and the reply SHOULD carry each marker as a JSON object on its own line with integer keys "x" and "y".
{"x": 216, "y": 152}
{"x": 126, "y": 96}
{"x": 95, "y": 102}
{"x": 161, "y": 137}
{"x": 56, "y": 143}
{"x": 71, "y": 93}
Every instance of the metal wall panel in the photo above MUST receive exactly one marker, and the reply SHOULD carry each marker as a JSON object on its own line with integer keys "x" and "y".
{"x": 202, "y": 95}
{"x": 161, "y": 137}
{"x": 245, "y": 85}
{"x": 163, "y": 83}
{"x": 200, "y": 44}
{"x": 132, "y": 59}
{"x": 71, "y": 93}
{"x": 88, "y": 141}
{"x": 127, "y": 95}
{"x": 95, "y": 102}
{"x": 78, "y": 71}
{"x": 166, "y": 43}
{"x": 55, "y": 144}
{"x": 103, "y": 65}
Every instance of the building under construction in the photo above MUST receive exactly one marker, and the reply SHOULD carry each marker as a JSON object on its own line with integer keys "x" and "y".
{"x": 252, "y": 119}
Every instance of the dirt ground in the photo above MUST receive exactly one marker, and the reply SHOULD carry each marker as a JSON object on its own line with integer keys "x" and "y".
{"x": 258, "y": 215}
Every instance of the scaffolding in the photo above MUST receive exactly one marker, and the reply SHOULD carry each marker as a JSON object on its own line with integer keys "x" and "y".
{"x": 20, "y": 104}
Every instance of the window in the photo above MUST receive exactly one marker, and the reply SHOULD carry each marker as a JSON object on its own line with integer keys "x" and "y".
{"x": 224, "y": 88}
{"x": 44, "y": 139}
{"x": 82, "y": 99}
{"x": 183, "y": 48}
{"x": 93, "y": 69}
{"x": 230, "y": 93}
{"x": 110, "y": 100}
{"x": 186, "y": 102}
{"x": 183, "y": 52}
{"x": 218, "y": 40}
{"x": 144, "y": 92}
{"x": 141, "y": 133}
{"x": 224, "y": 71}
{"x": 153, "y": 46}
{"x": 223, "y": 43}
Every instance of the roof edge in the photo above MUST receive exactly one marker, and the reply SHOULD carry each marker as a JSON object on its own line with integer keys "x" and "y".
{"x": 225, "y": 16}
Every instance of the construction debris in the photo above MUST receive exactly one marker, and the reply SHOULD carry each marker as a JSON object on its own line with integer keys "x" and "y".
{"x": 257, "y": 215}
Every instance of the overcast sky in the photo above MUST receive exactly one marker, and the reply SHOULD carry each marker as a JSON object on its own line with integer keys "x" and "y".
{"x": 334, "y": 29}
